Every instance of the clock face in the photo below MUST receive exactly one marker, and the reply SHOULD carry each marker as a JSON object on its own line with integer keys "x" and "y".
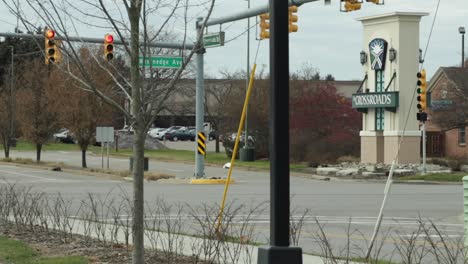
{"x": 378, "y": 52}
{"x": 443, "y": 94}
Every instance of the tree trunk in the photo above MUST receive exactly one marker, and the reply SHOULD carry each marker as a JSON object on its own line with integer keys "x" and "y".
{"x": 140, "y": 133}
{"x": 83, "y": 158}
{"x": 217, "y": 143}
{"x": 6, "y": 148}
{"x": 38, "y": 152}
{"x": 138, "y": 196}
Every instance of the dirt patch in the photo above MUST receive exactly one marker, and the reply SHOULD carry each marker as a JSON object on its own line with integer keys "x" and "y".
{"x": 51, "y": 244}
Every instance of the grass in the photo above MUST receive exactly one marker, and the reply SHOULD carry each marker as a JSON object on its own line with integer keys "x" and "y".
{"x": 13, "y": 251}
{"x": 187, "y": 156}
{"x": 438, "y": 177}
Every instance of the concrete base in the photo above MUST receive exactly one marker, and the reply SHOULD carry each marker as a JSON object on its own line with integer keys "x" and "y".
{"x": 372, "y": 148}
{"x": 279, "y": 255}
{"x": 409, "y": 151}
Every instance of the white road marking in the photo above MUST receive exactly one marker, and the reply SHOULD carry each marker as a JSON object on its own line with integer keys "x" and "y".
{"x": 27, "y": 175}
{"x": 7, "y": 166}
{"x": 2, "y": 181}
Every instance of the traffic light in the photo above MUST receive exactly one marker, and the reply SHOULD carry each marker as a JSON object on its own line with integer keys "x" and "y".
{"x": 108, "y": 47}
{"x": 422, "y": 91}
{"x": 350, "y": 5}
{"x": 265, "y": 26}
{"x": 377, "y": 2}
{"x": 51, "y": 50}
{"x": 292, "y": 10}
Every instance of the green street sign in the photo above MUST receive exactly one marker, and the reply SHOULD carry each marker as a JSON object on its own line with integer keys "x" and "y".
{"x": 213, "y": 40}
{"x": 161, "y": 62}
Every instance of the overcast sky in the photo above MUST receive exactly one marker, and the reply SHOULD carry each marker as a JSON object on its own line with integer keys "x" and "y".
{"x": 327, "y": 39}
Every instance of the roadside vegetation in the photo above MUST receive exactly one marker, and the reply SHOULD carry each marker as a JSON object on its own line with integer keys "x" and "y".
{"x": 186, "y": 156}
{"x": 17, "y": 252}
{"x": 436, "y": 177}
{"x": 98, "y": 228}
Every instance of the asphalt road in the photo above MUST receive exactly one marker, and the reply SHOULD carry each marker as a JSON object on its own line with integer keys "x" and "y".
{"x": 335, "y": 204}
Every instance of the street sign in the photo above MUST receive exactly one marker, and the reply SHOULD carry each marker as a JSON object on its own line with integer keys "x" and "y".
{"x": 213, "y": 40}
{"x": 105, "y": 134}
{"x": 161, "y": 62}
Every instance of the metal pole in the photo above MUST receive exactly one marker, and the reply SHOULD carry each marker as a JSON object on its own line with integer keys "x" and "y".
{"x": 255, "y": 11}
{"x": 187, "y": 46}
{"x": 279, "y": 251}
{"x": 107, "y": 155}
{"x": 279, "y": 123}
{"x": 199, "y": 105}
{"x": 424, "y": 169}
{"x": 463, "y": 50}
{"x": 12, "y": 141}
{"x": 102, "y": 155}
{"x": 247, "y": 79}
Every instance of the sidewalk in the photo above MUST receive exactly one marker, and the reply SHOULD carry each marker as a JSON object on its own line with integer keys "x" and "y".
{"x": 204, "y": 249}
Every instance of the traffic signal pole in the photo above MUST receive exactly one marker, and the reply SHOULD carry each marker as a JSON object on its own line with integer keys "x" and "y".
{"x": 424, "y": 169}
{"x": 255, "y": 11}
{"x": 199, "y": 104}
{"x": 168, "y": 45}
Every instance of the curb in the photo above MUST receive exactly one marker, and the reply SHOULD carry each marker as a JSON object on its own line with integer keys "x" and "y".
{"x": 210, "y": 181}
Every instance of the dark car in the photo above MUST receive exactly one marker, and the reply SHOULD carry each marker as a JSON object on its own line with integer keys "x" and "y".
{"x": 212, "y": 135}
{"x": 180, "y": 135}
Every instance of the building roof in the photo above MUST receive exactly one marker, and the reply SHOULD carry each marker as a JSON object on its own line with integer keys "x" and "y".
{"x": 456, "y": 75}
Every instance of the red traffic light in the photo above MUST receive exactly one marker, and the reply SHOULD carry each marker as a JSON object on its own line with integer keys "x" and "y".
{"x": 50, "y": 34}
{"x": 109, "y": 38}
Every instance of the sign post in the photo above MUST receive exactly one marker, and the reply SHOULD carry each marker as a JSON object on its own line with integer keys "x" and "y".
{"x": 104, "y": 135}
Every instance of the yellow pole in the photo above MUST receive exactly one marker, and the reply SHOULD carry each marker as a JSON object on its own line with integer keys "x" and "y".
{"x": 236, "y": 146}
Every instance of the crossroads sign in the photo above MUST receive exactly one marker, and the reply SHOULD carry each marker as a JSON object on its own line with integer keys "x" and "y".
{"x": 167, "y": 62}
{"x": 388, "y": 100}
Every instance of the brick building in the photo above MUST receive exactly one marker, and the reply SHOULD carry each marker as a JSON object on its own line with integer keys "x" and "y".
{"x": 448, "y": 113}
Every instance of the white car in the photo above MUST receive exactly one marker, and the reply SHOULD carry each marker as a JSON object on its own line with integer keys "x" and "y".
{"x": 157, "y": 132}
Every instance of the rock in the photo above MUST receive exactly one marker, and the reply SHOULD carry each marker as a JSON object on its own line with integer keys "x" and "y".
{"x": 348, "y": 172}
{"x": 464, "y": 168}
{"x": 368, "y": 174}
{"x": 327, "y": 171}
{"x": 403, "y": 172}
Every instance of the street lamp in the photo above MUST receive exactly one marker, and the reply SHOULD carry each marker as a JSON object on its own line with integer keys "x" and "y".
{"x": 363, "y": 57}
{"x": 462, "y": 31}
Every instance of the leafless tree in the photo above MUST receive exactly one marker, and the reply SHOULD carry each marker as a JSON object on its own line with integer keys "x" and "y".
{"x": 218, "y": 94}
{"x": 130, "y": 21}
{"x": 39, "y": 119}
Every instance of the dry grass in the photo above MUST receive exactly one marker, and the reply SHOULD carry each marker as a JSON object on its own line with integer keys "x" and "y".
{"x": 154, "y": 176}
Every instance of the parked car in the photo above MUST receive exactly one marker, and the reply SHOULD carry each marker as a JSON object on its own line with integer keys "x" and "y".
{"x": 212, "y": 135}
{"x": 175, "y": 135}
{"x": 157, "y": 132}
{"x": 64, "y": 136}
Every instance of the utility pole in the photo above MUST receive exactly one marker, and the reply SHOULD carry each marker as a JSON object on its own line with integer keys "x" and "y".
{"x": 247, "y": 80}
{"x": 279, "y": 251}
{"x": 12, "y": 139}
{"x": 199, "y": 103}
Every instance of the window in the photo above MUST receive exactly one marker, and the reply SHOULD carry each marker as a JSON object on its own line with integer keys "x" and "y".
{"x": 379, "y": 112}
{"x": 462, "y": 136}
